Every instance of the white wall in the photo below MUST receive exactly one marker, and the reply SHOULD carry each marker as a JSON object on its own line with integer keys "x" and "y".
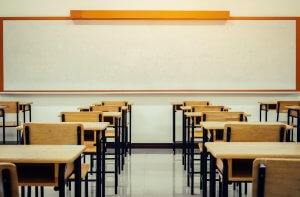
{"x": 151, "y": 112}
{"x": 237, "y": 8}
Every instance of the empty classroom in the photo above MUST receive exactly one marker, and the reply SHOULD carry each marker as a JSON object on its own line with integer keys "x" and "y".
{"x": 149, "y": 98}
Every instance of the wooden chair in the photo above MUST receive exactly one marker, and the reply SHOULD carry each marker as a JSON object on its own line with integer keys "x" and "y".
{"x": 56, "y": 134}
{"x": 239, "y": 170}
{"x": 281, "y": 107}
{"x": 110, "y": 133}
{"x": 90, "y": 136}
{"x": 276, "y": 178}
{"x": 8, "y": 180}
{"x": 216, "y": 134}
{"x": 205, "y": 108}
{"x": 12, "y": 107}
{"x": 193, "y": 103}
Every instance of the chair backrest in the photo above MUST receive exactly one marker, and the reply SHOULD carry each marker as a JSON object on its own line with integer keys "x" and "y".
{"x": 276, "y": 178}
{"x": 223, "y": 116}
{"x": 115, "y": 103}
{"x": 205, "y": 108}
{"x": 251, "y": 132}
{"x": 53, "y": 133}
{"x": 11, "y": 106}
{"x": 108, "y": 108}
{"x": 8, "y": 180}
{"x": 281, "y": 105}
{"x": 81, "y": 116}
{"x": 192, "y": 103}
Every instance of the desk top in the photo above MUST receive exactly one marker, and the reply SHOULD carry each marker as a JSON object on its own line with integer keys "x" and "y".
{"x": 252, "y": 150}
{"x": 221, "y": 125}
{"x": 177, "y": 103}
{"x": 25, "y": 103}
{"x": 193, "y": 114}
{"x": 186, "y": 107}
{"x": 293, "y": 107}
{"x": 113, "y": 114}
{"x": 2, "y": 107}
{"x": 40, "y": 153}
{"x": 268, "y": 102}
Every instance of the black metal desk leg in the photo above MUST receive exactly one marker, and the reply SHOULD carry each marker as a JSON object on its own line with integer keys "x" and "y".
{"x": 3, "y": 125}
{"x": 192, "y": 156}
{"x": 212, "y": 176}
{"x": 174, "y": 129}
{"x": 225, "y": 178}
{"x": 61, "y": 179}
{"x": 103, "y": 163}
{"x": 77, "y": 169}
{"x": 130, "y": 130}
{"x": 260, "y": 108}
{"x": 204, "y": 163}
{"x": 24, "y": 114}
{"x": 117, "y": 153}
{"x": 29, "y": 113}
{"x": 99, "y": 167}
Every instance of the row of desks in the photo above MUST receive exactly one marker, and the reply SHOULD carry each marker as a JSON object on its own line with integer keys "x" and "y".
{"x": 226, "y": 151}
{"x": 235, "y": 151}
{"x": 50, "y": 155}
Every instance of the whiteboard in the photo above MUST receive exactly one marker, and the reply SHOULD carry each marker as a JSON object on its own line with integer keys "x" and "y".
{"x": 149, "y": 55}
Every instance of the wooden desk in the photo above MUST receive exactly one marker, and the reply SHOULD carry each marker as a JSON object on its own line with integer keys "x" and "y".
{"x": 33, "y": 161}
{"x": 208, "y": 128}
{"x": 175, "y": 108}
{"x": 266, "y": 106}
{"x": 294, "y": 111}
{"x": 2, "y": 114}
{"x": 245, "y": 152}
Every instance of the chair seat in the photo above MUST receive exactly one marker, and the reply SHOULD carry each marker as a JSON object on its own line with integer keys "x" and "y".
{"x": 110, "y": 133}
{"x": 20, "y": 128}
{"x": 9, "y": 124}
{"x": 84, "y": 170}
{"x": 293, "y": 125}
{"x": 197, "y": 133}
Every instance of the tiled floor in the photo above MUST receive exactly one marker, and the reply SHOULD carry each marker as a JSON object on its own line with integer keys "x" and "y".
{"x": 150, "y": 173}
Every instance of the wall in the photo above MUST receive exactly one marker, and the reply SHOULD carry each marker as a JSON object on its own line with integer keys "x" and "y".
{"x": 151, "y": 112}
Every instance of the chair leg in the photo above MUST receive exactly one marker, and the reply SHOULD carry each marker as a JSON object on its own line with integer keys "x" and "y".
{"x": 240, "y": 189}
{"x": 36, "y": 191}
{"x": 86, "y": 185}
{"x": 22, "y": 191}
{"x": 246, "y": 187}
{"x": 70, "y": 185}
{"x": 28, "y": 191}
{"x": 42, "y": 191}
{"x": 220, "y": 187}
